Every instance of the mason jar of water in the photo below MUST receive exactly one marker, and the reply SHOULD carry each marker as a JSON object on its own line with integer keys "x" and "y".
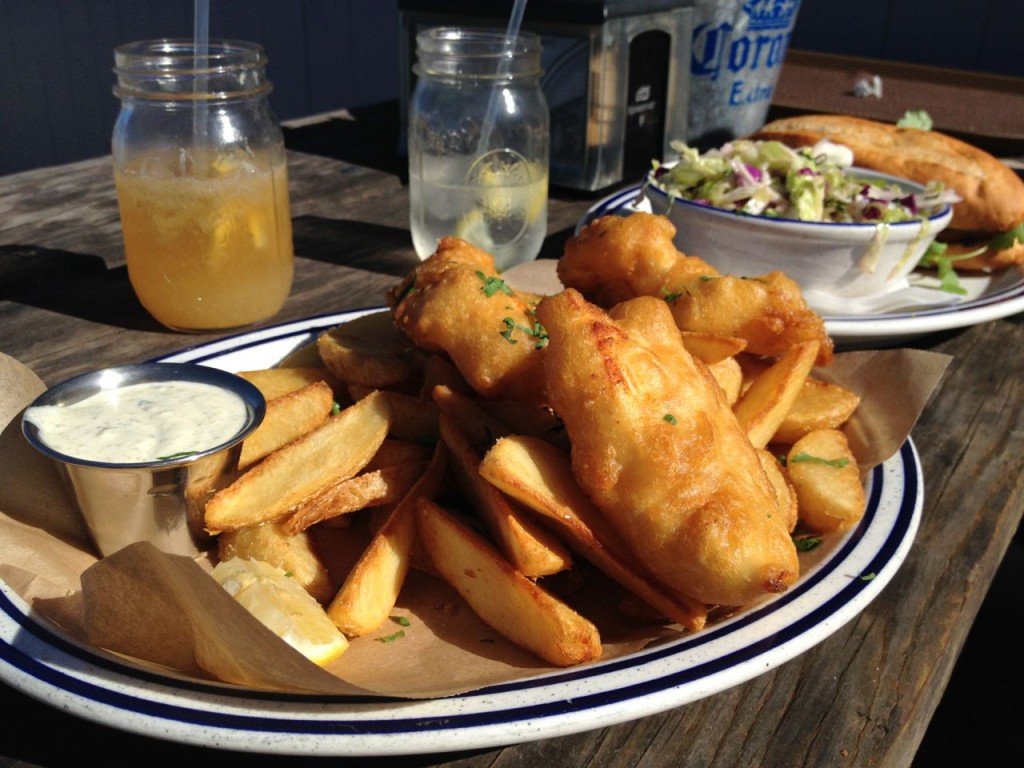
{"x": 479, "y": 143}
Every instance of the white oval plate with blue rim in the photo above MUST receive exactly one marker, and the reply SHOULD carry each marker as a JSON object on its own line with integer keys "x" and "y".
{"x": 989, "y": 296}
{"x": 839, "y": 579}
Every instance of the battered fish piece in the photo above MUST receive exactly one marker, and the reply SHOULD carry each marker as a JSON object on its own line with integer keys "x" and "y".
{"x": 769, "y": 312}
{"x": 659, "y": 451}
{"x": 615, "y": 258}
{"x": 456, "y": 303}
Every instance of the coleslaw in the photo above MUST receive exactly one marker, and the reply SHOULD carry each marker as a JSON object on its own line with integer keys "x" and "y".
{"x": 768, "y": 178}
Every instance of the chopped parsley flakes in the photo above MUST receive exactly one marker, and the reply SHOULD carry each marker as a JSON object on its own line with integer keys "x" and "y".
{"x": 837, "y": 463}
{"x": 493, "y": 284}
{"x": 806, "y": 543}
{"x": 537, "y": 331}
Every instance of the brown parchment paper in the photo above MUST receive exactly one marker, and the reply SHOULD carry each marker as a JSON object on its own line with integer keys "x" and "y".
{"x": 165, "y": 612}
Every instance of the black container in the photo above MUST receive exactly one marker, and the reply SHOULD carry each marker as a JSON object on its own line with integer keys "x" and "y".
{"x": 616, "y": 77}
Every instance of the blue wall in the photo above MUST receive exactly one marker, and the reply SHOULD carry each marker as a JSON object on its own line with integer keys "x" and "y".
{"x": 56, "y": 103}
{"x": 56, "y": 60}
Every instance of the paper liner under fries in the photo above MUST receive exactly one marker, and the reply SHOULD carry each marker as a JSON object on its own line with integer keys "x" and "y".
{"x": 165, "y": 612}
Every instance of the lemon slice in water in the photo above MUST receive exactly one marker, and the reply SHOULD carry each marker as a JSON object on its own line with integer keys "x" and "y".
{"x": 283, "y": 606}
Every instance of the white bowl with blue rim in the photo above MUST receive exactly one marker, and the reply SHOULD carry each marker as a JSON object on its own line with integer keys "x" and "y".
{"x": 845, "y": 261}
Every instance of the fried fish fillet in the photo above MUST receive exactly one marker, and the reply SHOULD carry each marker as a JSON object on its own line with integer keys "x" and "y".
{"x": 768, "y": 311}
{"x": 659, "y": 451}
{"x": 615, "y": 258}
{"x": 456, "y": 303}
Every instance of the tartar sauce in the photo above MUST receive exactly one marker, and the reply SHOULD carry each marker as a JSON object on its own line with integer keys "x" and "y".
{"x": 141, "y": 423}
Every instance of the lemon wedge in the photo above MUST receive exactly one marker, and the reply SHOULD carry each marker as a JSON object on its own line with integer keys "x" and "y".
{"x": 283, "y": 606}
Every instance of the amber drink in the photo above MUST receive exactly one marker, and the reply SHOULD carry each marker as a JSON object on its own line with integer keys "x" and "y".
{"x": 202, "y": 185}
{"x": 208, "y": 245}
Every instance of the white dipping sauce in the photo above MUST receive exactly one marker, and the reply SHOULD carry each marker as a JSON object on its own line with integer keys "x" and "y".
{"x": 141, "y": 423}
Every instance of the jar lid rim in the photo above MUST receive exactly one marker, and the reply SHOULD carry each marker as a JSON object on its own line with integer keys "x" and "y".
{"x": 181, "y": 54}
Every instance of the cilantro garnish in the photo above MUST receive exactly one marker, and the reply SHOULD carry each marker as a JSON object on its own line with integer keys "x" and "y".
{"x": 179, "y": 455}
{"x": 670, "y": 419}
{"x": 819, "y": 460}
{"x": 806, "y": 543}
{"x": 493, "y": 285}
{"x": 537, "y": 331}
{"x": 391, "y": 638}
{"x": 400, "y": 620}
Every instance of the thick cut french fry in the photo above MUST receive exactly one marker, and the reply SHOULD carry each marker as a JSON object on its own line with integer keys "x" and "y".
{"x": 412, "y": 419}
{"x": 386, "y": 485}
{"x": 785, "y": 496}
{"x": 478, "y": 426}
{"x": 371, "y": 588}
{"x": 289, "y": 416}
{"x": 439, "y": 371}
{"x": 513, "y": 605}
{"x": 539, "y": 475}
{"x": 368, "y": 351}
{"x": 534, "y": 551}
{"x": 818, "y": 405}
{"x": 275, "y": 382}
{"x": 825, "y": 475}
{"x": 712, "y": 347}
{"x": 295, "y": 555}
{"x": 392, "y": 452}
{"x": 769, "y": 397}
{"x": 729, "y": 376}
{"x": 339, "y": 447}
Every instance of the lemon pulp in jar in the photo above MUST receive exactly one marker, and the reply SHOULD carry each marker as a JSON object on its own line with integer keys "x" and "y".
{"x": 200, "y": 169}
{"x": 208, "y": 238}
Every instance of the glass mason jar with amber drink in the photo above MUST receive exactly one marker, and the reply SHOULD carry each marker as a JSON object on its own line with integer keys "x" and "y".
{"x": 202, "y": 184}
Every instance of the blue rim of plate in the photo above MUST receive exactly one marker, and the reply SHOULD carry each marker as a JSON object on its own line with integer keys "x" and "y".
{"x": 45, "y": 663}
{"x": 1001, "y": 302}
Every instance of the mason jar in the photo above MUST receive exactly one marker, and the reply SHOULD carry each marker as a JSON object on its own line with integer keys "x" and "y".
{"x": 202, "y": 183}
{"x": 478, "y": 143}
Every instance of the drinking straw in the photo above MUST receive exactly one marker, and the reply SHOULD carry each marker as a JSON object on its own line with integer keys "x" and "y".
{"x": 201, "y": 45}
{"x": 511, "y": 33}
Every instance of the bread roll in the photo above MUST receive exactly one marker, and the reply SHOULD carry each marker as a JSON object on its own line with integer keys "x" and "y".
{"x": 993, "y": 195}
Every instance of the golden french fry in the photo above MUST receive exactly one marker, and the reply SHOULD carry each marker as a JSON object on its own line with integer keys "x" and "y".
{"x": 439, "y": 371}
{"x": 729, "y": 375}
{"x": 386, "y": 485}
{"x": 818, "y": 405}
{"x": 540, "y": 476}
{"x": 293, "y": 554}
{"x": 289, "y": 416}
{"x": 339, "y": 447}
{"x": 513, "y": 605}
{"x": 825, "y": 475}
{"x": 532, "y": 550}
{"x": 369, "y": 351}
{"x": 712, "y": 347}
{"x": 478, "y": 426}
{"x": 769, "y": 397}
{"x": 275, "y": 382}
{"x": 372, "y": 586}
{"x": 785, "y": 496}
{"x": 393, "y": 452}
{"x": 413, "y": 420}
